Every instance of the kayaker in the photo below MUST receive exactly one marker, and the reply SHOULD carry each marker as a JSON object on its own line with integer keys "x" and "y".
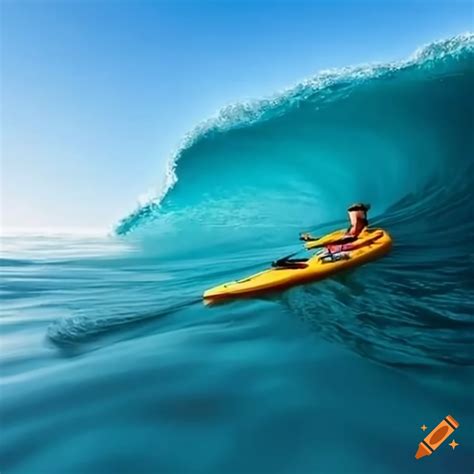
{"x": 358, "y": 220}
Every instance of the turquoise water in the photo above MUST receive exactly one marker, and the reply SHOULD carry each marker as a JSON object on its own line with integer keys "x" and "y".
{"x": 110, "y": 362}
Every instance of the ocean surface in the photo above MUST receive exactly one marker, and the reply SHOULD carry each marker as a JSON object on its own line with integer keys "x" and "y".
{"x": 111, "y": 363}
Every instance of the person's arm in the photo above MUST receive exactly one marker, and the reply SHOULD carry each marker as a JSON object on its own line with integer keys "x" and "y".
{"x": 307, "y": 237}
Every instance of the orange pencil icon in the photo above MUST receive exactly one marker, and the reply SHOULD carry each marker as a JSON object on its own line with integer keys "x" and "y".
{"x": 437, "y": 436}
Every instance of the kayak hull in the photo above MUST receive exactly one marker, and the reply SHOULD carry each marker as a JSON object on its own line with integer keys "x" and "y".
{"x": 371, "y": 244}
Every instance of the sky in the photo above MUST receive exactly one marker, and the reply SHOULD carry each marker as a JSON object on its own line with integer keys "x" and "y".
{"x": 96, "y": 95}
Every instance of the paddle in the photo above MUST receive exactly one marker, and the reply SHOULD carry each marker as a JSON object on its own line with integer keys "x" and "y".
{"x": 285, "y": 261}
{"x": 281, "y": 261}
{"x": 305, "y": 237}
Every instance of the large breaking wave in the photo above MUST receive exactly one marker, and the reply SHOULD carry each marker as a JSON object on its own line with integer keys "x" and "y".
{"x": 378, "y": 132}
{"x": 397, "y": 135}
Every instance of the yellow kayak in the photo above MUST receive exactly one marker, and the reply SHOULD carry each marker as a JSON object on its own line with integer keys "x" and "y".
{"x": 335, "y": 257}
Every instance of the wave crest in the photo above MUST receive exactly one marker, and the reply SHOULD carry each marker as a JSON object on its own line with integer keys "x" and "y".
{"x": 327, "y": 86}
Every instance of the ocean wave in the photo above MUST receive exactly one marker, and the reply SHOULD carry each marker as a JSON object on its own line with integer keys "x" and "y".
{"x": 329, "y": 85}
{"x": 397, "y": 135}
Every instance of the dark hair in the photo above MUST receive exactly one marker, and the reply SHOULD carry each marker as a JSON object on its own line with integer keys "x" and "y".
{"x": 359, "y": 207}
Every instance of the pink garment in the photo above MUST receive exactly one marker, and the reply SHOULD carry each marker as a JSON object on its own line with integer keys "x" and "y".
{"x": 333, "y": 248}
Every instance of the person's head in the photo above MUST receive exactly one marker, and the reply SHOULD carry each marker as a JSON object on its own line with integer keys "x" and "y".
{"x": 359, "y": 207}
{"x": 358, "y": 214}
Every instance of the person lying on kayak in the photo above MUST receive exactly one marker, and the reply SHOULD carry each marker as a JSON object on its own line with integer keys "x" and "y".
{"x": 358, "y": 220}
